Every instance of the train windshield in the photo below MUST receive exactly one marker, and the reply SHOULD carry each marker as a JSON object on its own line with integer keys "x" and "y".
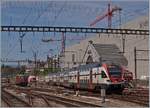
{"x": 115, "y": 71}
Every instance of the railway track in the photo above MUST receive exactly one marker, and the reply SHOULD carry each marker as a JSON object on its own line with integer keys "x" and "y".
{"x": 68, "y": 102}
{"x": 48, "y": 96}
{"x": 129, "y": 98}
{"x": 13, "y": 101}
{"x": 141, "y": 100}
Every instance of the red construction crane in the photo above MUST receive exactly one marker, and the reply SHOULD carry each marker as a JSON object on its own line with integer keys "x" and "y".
{"x": 108, "y": 14}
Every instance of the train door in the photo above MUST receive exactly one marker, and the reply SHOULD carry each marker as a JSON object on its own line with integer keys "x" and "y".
{"x": 78, "y": 79}
{"x": 98, "y": 78}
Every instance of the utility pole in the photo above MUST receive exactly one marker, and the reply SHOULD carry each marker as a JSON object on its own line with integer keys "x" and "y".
{"x": 18, "y": 64}
{"x": 123, "y": 44}
{"x": 21, "y": 40}
{"x": 54, "y": 64}
{"x": 35, "y": 58}
{"x": 35, "y": 65}
{"x": 135, "y": 67}
{"x": 58, "y": 64}
{"x": 48, "y": 61}
{"x": 21, "y": 44}
{"x": 135, "y": 63}
{"x": 119, "y": 19}
{"x": 63, "y": 42}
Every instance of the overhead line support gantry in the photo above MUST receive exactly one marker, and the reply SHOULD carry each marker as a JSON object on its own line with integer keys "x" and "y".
{"x": 72, "y": 30}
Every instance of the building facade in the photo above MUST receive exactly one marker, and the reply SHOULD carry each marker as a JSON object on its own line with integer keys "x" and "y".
{"x": 75, "y": 55}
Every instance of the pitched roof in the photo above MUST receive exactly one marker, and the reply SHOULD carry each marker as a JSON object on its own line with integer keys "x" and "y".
{"x": 110, "y": 53}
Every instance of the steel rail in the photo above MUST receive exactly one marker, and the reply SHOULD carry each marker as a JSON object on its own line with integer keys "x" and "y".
{"x": 4, "y": 93}
{"x": 134, "y": 99}
{"x": 5, "y": 99}
{"x": 67, "y": 101}
{"x": 130, "y": 99}
{"x": 61, "y": 100}
{"x": 51, "y": 98}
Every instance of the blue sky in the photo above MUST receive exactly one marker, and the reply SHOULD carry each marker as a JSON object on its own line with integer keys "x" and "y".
{"x": 56, "y": 13}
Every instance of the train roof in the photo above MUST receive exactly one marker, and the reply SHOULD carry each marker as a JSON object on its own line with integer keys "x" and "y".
{"x": 81, "y": 67}
{"x": 88, "y": 66}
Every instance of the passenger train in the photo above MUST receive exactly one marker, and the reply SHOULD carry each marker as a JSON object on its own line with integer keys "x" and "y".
{"x": 92, "y": 77}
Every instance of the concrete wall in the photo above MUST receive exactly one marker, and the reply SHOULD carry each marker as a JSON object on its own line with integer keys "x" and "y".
{"x": 131, "y": 41}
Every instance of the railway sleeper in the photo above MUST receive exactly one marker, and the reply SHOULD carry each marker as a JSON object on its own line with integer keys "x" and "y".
{"x": 77, "y": 103}
{"x": 17, "y": 99}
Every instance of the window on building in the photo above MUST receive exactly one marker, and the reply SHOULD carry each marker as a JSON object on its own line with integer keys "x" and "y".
{"x": 73, "y": 58}
{"x": 89, "y": 60}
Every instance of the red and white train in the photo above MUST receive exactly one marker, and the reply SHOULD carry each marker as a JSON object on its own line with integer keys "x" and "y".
{"x": 92, "y": 77}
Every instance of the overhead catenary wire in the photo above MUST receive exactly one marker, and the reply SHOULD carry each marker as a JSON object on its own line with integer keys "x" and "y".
{"x": 40, "y": 14}
{"x": 39, "y": 17}
{"x": 27, "y": 15}
{"x": 59, "y": 12}
{"x": 11, "y": 49}
{"x": 24, "y": 20}
{"x": 126, "y": 15}
{"x": 21, "y": 35}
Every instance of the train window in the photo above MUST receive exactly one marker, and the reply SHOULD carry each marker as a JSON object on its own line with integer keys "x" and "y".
{"x": 86, "y": 80}
{"x": 97, "y": 70}
{"x": 103, "y": 74}
{"x": 115, "y": 71}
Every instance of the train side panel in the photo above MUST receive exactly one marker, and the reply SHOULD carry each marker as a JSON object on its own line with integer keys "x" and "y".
{"x": 91, "y": 78}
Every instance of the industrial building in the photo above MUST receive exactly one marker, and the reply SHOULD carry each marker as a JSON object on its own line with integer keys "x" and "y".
{"x": 133, "y": 49}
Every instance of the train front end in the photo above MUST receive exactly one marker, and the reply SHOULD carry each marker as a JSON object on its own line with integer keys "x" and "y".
{"x": 116, "y": 81}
